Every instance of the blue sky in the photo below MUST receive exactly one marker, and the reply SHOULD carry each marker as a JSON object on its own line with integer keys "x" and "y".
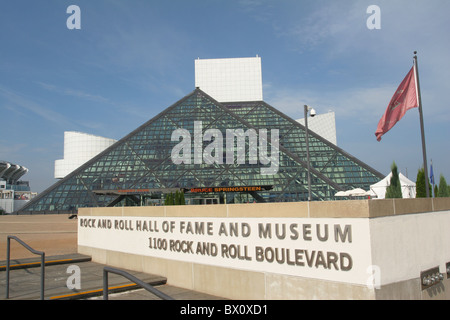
{"x": 132, "y": 59}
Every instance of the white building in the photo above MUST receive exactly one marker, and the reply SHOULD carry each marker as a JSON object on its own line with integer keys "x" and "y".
{"x": 79, "y": 147}
{"x": 226, "y": 80}
{"x": 11, "y": 173}
{"x": 14, "y": 193}
{"x": 230, "y": 80}
{"x": 240, "y": 79}
{"x": 324, "y": 125}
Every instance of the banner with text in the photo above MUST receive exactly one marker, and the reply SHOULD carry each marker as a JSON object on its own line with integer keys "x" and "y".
{"x": 329, "y": 249}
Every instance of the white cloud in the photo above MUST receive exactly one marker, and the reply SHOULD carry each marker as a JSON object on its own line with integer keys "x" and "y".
{"x": 12, "y": 151}
{"x": 23, "y": 102}
{"x": 361, "y": 104}
{"x": 136, "y": 38}
{"x": 74, "y": 93}
{"x": 337, "y": 32}
{"x": 338, "y": 28}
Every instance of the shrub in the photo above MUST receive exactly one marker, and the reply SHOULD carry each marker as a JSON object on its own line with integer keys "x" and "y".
{"x": 395, "y": 189}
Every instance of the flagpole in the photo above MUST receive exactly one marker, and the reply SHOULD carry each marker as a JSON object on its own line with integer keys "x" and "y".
{"x": 432, "y": 179}
{"x": 424, "y": 150}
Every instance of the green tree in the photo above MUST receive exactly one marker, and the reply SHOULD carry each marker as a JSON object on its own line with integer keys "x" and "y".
{"x": 169, "y": 199}
{"x": 179, "y": 198}
{"x": 182, "y": 200}
{"x": 394, "y": 190}
{"x": 166, "y": 200}
{"x": 420, "y": 184}
{"x": 443, "y": 187}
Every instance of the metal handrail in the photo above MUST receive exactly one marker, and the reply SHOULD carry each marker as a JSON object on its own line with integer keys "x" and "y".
{"x": 130, "y": 277}
{"x": 41, "y": 253}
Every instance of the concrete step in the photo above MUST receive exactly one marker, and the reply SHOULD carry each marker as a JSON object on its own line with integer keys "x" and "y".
{"x": 24, "y": 283}
{"x": 36, "y": 262}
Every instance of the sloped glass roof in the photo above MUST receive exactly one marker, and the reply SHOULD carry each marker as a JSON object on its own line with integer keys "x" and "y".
{"x": 143, "y": 160}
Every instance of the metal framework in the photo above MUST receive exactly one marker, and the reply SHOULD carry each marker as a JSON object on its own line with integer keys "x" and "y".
{"x": 142, "y": 160}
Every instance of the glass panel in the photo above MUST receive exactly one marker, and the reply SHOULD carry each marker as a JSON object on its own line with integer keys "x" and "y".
{"x": 142, "y": 160}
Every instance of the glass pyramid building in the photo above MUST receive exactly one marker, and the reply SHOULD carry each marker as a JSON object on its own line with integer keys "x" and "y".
{"x": 140, "y": 170}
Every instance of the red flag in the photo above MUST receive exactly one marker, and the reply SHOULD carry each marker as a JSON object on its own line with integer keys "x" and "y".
{"x": 405, "y": 98}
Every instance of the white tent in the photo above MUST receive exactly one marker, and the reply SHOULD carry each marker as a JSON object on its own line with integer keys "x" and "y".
{"x": 408, "y": 187}
{"x": 358, "y": 192}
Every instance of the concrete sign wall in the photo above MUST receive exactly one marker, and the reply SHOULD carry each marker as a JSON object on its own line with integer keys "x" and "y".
{"x": 328, "y": 249}
{"x": 368, "y": 249}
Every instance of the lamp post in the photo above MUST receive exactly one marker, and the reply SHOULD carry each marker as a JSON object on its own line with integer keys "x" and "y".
{"x": 313, "y": 113}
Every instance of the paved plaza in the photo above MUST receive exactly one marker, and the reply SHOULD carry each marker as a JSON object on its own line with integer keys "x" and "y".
{"x": 56, "y": 235}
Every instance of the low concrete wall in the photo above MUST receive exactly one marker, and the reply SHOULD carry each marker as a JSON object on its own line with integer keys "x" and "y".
{"x": 54, "y": 234}
{"x": 362, "y": 249}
